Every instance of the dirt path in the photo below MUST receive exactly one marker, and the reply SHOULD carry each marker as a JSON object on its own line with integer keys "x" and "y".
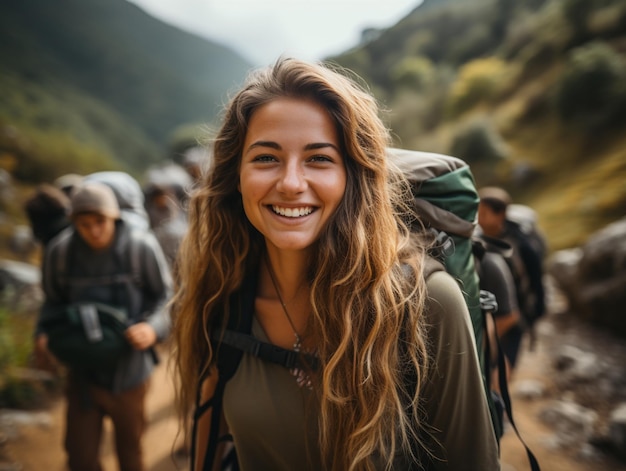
{"x": 40, "y": 448}
{"x": 533, "y": 366}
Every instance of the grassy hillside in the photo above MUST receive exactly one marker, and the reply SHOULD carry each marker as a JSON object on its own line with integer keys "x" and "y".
{"x": 532, "y": 93}
{"x": 105, "y": 78}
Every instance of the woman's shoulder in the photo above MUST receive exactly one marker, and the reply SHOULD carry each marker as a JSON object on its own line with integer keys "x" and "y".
{"x": 446, "y": 309}
{"x": 443, "y": 289}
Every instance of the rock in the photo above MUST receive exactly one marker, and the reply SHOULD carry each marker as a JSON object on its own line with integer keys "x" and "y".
{"x": 577, "y": 364}
{"x": 20, "y": 285}
{"x": 563, "y": 267}
{"x": 529, "y": 389}
{"x": 594, "y": 277}
{"x": 617, "y": 430}
{"x": 22, "y": 242}
{"x": 589, "y": 453}
{"x": 10, "y": 418}
{"x": 572, "y": 422}
{"x": 20, "y": 273}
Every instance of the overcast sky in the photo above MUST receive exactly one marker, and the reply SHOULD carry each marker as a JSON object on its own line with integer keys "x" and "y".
{"x": 261, "y": 30}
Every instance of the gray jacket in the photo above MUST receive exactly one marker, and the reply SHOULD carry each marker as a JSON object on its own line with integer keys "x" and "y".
{"x": 75, "y": 273}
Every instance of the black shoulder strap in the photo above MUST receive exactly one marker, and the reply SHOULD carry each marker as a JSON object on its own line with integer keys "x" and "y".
{"x": 506, "y": 398}
{"x": 64, "y": 260}
{"x": 134, "y": 248}
{"x": 228, "y": 358}
{"x": 61, "y": 262}
{"x": 268, "y": 352}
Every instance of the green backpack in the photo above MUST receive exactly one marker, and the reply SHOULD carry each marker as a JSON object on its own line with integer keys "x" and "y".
{"x": 446, "y": 199}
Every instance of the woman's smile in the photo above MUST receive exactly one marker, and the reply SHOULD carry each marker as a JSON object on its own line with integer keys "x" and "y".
{"x": 292, "y": 176}
{"x": 293, "y": 212}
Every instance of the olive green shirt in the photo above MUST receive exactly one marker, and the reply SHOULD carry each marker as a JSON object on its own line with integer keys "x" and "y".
{"x": 273, "y": 420}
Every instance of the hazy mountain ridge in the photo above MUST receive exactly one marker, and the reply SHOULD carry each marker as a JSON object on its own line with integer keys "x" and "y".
{"x": 152, "y": 76}
{"x": 532, "y": 93}
{"x": 540, "y": 85}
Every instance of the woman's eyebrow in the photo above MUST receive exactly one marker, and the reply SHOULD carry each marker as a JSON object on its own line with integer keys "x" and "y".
{"x": 270, "y": 144}
{"x": 320, "y": 145}
{"x": 277, "y": 146}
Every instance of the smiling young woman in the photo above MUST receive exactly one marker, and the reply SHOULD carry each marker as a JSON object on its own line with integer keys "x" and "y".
{"x": 299, "y": 213}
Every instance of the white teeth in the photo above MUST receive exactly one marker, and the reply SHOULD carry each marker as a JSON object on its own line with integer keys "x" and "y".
{"x": 292, "y": 212}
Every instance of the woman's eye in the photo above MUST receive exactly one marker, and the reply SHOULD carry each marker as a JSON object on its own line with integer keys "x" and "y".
{"x": 264, "y": 158}
{"x": 320, "y": 158}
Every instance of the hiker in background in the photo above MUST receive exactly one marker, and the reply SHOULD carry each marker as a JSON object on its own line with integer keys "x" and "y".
{"x": 66, "y": 183}
{"x": 101, "y": 263}
{"x": 295, "y": 229}
{"x": 196, "y": 160}
{"x": 525, "y": 262}
{"x": 129, "y": 195}
{"x": 168, "y": 221}
{"x": 48, "y": 211}
{"x": 166, "y": 191}
{"x": 496, "y": 278}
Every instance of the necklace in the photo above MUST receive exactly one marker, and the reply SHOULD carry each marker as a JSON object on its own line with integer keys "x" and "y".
{"x": 297, "y": 345}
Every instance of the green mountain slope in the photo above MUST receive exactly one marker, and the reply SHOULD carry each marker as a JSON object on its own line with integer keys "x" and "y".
{"x": 106, "y": 75}
{"x": 532, "y": 93}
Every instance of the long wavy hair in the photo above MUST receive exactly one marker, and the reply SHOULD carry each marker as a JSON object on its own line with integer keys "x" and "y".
{"x": 367, "y": 287}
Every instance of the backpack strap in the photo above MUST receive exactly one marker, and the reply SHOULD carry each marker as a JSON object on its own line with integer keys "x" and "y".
{"x": 63, "y": 260}
{"x": 135, "y": 239}
{"x": 489, "y": 306}
{"x": 508, "y": 407}
{"x": 266, "y": 351}
{"x": 227, "y": 360}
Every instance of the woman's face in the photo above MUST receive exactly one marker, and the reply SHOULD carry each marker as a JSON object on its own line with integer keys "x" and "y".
{"x": 292, "y": 175}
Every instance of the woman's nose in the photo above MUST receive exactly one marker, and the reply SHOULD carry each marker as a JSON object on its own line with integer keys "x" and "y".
{"x": 292, "y": 178}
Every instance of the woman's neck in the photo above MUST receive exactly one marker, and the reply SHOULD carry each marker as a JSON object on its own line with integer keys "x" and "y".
{"x": 290, "y": 272}
{"x": 283, "y": 305}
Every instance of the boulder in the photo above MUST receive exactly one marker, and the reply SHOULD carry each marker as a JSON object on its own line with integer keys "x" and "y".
{"x": 572, "y": 422}
{"x": 20, "y": 285}
{"x": 594, "y": 277}
{"x": 563, "y": 268}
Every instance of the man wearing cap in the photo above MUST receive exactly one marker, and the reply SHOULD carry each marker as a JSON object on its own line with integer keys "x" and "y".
{"x": 91, "y": 262}
{"x": 525, "y": 262}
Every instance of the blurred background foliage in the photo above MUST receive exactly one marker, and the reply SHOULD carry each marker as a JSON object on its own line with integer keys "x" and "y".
{"x": 532, "y": 93}
{"x": 100, "y": 84}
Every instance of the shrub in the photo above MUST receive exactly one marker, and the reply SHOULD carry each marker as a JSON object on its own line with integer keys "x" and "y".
{"x": 478, "y": 142}
{"x": 592, "y": 91}
{"x": 477, "y": 42}
{"x": 413, "y": 73}
{"x": 477, "y": 82}
{"x": 53, "y": 154}
{"x": 15, "y": 340}
{"x": 18, "y": 389}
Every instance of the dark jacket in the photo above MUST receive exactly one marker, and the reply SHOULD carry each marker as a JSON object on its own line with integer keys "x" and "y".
{"x": 75, "y": 273}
